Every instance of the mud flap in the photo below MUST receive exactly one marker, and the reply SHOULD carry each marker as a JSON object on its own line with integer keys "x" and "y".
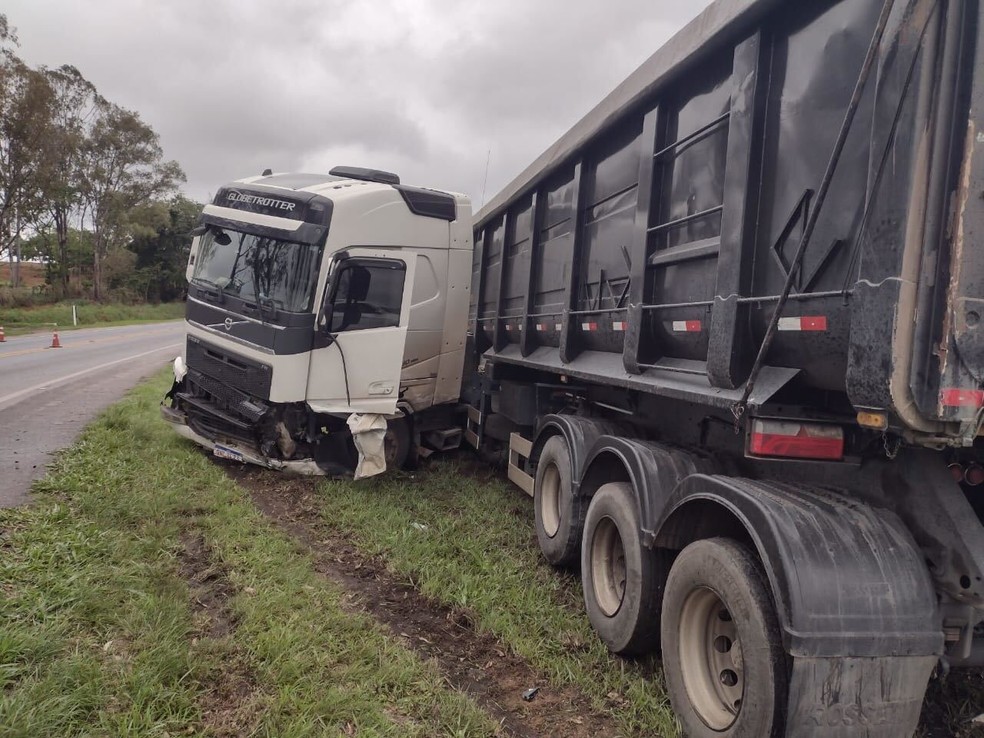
{"x": 857, "y": 606}
{"x": 369, "y": 434}
{"x": 847, "y": 697}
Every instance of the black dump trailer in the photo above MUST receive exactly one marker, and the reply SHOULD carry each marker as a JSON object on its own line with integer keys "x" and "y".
{"x": 729, "y": 329}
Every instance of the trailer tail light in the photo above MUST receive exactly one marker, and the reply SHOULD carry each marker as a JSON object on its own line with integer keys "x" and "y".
{"x": 956, "y": 471}
{"x": 796, "y": 440}
{"x": 974, "y": 475}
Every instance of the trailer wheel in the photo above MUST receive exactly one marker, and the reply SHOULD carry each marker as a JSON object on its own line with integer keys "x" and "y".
{"x": 396, "y": 443}
{"x": 622, "y": 579}
{"x": 723, "y": 659}
{"x": 558, "y": 515}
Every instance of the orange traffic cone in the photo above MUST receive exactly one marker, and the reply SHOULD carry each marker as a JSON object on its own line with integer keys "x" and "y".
{"x": 55, "y": 343}
{"x": 3, "y": 338}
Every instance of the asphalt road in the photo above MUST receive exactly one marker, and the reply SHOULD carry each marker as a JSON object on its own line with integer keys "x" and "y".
{"x": 48, "y": 395}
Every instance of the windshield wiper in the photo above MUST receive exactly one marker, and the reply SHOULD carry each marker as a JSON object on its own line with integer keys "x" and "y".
{"x": 261, "y": 300}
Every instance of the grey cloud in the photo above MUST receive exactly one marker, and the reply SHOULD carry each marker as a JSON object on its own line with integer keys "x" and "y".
{"x": 426, "y": 87}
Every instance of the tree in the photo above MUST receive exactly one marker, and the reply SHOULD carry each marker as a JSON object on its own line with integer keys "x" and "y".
{"x": 75, "y": 254}
{"x": 26, "y": 103}
{"x": 75, "y": 109}
{"x": 163, "y": 256}
{"x": 123, "y": 169}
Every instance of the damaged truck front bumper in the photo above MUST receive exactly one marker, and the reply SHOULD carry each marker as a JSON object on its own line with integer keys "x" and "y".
{"x": 237, "y": 451}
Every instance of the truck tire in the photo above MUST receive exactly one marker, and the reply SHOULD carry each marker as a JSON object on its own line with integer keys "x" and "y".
{"x": 396, "y": 443}
{"x": 723, "y": 661}
{"x": 622, "y": 579}
{"x": 558, "y": 516}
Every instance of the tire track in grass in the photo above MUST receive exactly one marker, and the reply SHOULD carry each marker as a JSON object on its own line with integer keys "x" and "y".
{"x": 231, "y": 701}
{"x": 472, "y": 662}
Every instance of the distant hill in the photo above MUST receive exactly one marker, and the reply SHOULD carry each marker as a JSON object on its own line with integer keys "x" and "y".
{"x": 32, "y": 275}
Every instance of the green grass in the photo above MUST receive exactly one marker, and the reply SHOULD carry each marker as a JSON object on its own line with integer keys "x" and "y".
{"x": 467, "y": 540}
{"x": 22, "y": 320}
{"x": 98, "y": 635}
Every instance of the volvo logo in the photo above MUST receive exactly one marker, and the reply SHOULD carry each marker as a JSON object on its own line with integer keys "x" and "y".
{"x": 227, "y": 324}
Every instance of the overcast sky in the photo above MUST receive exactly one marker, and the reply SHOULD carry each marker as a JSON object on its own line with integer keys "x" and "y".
{"x": 424, "y": 88}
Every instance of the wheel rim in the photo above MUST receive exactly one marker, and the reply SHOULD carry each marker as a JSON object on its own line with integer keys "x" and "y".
{"x": 711, "y": 661}
{"x": 608, "y": 567}
{"x": 550, "y": 500}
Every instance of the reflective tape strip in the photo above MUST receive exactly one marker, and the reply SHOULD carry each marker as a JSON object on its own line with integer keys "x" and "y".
{"x": 686, "y": 326}
{"x": 541, "y": 327}
{"x": 961, "y": 398}
{"x": 559, "y": 327}
{"x": 804, "y": 323}
{"x": 589, "y": 326}
{"x": 618, "y": 326}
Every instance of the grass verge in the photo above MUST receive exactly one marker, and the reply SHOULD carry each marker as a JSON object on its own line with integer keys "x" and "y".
{"x": 112, "y": 584}
{"x": 144, "y": 594}
{"x": 465, "y": 538}
{"x": 21, "y": 320}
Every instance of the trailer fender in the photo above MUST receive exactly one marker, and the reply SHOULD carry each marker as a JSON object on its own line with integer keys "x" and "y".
{"x": 854, "y": 599}
{"x": 653, "y": 470}
{"x": 848, "y": 580}
{"x": 580, "y": 434}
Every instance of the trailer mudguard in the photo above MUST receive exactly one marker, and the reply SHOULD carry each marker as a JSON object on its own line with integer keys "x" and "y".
{"x": 854, "y": 598}
{"x": 580, "y": 434}
{"x": 654, "y": 470}
{"x": 848, "y": 580}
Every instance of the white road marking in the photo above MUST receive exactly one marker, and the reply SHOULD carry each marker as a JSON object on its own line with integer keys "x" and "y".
{"x": 9, "y": 399}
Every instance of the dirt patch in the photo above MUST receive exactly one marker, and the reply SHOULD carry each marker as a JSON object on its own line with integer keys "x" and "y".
{"x": 472, "y": 662}
{"x": 231, "y": 702}
{"x": 210, "y": 587}
{"x": 31, "y": 275}
{"x": 952, "y": 703}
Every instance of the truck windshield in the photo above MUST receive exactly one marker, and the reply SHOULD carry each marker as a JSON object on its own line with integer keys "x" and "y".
{"x": 257, "y": 269}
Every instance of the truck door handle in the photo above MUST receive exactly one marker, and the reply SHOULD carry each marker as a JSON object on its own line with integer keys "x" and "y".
{"x": 381, "y": 388}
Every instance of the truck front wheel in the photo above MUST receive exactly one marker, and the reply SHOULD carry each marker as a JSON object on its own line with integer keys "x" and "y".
{"x": 723, "y": 660}
{"x": 622, "y": 579}
{"x": 396, "y": 443}
{"x": 558, "y": 515}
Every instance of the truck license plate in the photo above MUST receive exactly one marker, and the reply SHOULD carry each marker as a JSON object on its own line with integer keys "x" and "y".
{"x": 226, "y": 453}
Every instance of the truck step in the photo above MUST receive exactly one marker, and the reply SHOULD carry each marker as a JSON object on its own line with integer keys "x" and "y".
{"x": 444, "y": 440}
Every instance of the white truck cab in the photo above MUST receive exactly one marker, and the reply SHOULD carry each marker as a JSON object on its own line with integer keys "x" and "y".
{"x": 313, "y": 298}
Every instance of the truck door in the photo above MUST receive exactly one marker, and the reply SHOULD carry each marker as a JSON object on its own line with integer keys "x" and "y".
{"x": 358, "y": 355}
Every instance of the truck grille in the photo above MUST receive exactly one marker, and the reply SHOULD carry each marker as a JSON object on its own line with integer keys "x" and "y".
{"x": 224, "y": 396}
{"x": 228, "y": 371}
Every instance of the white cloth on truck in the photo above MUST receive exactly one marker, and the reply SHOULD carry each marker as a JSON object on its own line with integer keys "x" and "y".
{"x": 369, "y": 433}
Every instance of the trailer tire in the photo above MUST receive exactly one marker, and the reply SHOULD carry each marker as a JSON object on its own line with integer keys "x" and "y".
{"x": 723, "y": 661}
{"x": 558, "y": 516}
{"x": 622, "y": 578}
